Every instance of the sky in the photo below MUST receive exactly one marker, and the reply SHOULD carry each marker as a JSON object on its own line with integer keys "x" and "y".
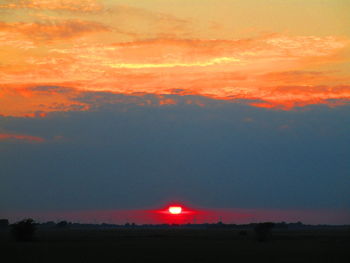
{"x": 112, "y": 109}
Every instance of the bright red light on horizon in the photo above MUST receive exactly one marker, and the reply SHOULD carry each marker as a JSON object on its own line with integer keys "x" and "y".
{"x": 175, "y": 213}
{"x": 175, "y": 210}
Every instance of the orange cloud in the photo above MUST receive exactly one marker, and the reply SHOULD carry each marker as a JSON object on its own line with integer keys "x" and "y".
{"x": 66, "y": 5}
{"x": 255, "y": 55}
{"x": 300, "y": 77}
{"x": 52, "y": 30}
{"x": 147, "y": 24}
{"x": 22, "y": 137}
{"x": 38, "y": 101}
{"x": 42, "y": 100}
{"x": 273, "y": 70}
{"x": 288, "y": 97}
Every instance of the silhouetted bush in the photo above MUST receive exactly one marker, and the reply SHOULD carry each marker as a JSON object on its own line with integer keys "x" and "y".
{"x": 4, "y": 223}
{"x": 62, "y": 224}
{"x": 263, "y": 231}
{"x": 24, "y": 230}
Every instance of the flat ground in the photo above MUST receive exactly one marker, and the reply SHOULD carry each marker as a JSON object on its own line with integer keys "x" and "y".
{"x": 177, "y": 245}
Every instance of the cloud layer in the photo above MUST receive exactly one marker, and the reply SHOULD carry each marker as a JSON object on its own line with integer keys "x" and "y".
{"x": 259, "y": 69}
{"x": 94, "y": 46}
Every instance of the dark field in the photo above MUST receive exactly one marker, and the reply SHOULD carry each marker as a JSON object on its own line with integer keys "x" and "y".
{"x": 177, "y": 245}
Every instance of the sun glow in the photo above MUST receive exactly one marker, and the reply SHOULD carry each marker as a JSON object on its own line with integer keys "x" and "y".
{"x": 175, "y": 210}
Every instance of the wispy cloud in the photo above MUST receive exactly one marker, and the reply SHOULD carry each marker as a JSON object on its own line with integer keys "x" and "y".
{"x": 52, "y": 30}
{"x": 267, "y": 53}
{"x": 211, "y": 62}
{"x": 42, "y": 100}
{"x": 130, "y": 50}
{"x": 66, "y": 5}
{"x": 38, "y": 101}
{"x": 21, "y": 137}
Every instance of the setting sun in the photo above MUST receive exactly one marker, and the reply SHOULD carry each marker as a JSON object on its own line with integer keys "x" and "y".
{"x": 175, "y": 210}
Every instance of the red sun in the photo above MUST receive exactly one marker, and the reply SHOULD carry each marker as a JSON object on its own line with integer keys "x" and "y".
{"x": 175, "y": 210}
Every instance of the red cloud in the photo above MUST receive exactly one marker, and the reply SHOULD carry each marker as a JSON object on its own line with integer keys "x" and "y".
{"x": 23, "y": 137}
{"x": 38, "y": 101}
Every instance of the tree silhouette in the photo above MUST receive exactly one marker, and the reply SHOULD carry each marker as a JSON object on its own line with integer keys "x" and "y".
{"x": 4, "y": 223}
{"x": 62, "y": 224}
{"x": 24, "y": 230}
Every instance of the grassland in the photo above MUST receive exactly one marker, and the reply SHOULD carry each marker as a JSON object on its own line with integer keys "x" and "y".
{"x": 176, "y": 245}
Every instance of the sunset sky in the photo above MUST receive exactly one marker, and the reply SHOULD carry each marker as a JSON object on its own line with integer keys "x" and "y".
{"x": 232, "y": 107}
